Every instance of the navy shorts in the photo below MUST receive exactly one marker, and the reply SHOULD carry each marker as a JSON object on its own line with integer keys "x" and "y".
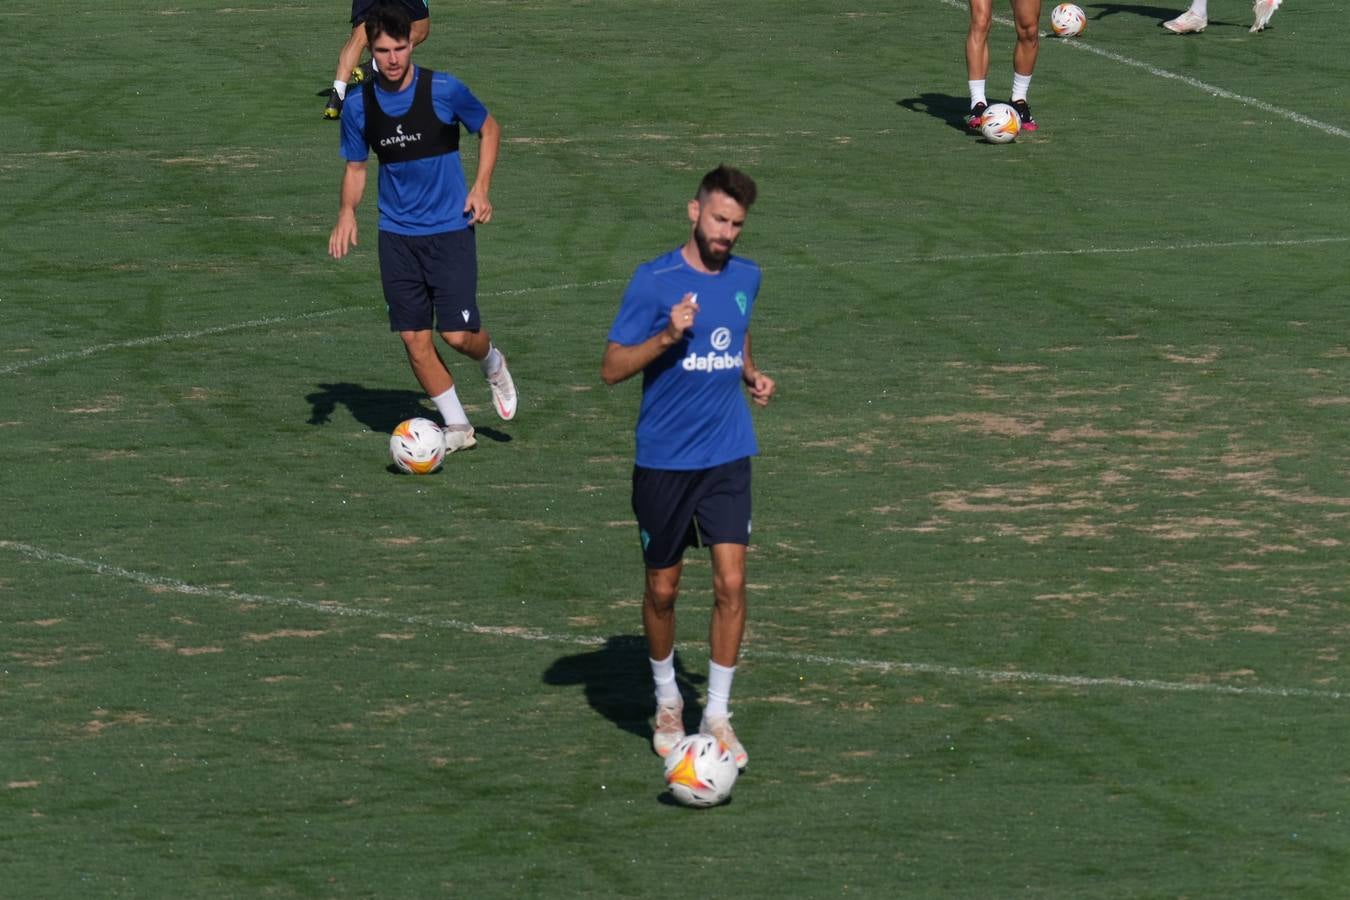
{"x": 698, "y": 508}
{"x": 430, "y": 281}
{"x": 417, "y": 9}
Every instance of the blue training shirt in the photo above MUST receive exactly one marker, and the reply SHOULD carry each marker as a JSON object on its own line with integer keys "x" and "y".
{"x": 694, "y": 412}
{"x": 423, "y": 196}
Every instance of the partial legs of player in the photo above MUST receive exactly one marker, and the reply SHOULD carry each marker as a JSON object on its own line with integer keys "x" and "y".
{"x": 1196, "y": 18}
{"x": 350, "y": 69}
{"x": 1026, "y": 18}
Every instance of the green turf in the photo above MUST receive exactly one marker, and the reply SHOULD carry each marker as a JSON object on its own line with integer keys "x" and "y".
{"x": 1049, "y": 576}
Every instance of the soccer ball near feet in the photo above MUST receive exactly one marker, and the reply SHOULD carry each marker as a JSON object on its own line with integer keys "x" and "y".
{"x": 1067, "y": 20}
{"x": 1000, "y": 123}
{"x": 700, "y": 771}
{"x": 417, "y": 446}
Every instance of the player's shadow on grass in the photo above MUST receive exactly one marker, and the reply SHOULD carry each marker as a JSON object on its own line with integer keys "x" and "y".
{"x": 1159, "y": 14}
{"x": 1105, "y": 10}
{"x": 379, "y": 409}
{"x": 617, "y": 680}
{"x": 949, "y": 109}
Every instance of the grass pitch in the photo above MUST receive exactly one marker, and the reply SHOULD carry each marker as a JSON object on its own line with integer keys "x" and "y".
{"x": 1048, "y": 584}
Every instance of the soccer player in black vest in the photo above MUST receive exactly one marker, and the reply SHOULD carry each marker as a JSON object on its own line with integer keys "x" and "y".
{"x": 411, "y": 118}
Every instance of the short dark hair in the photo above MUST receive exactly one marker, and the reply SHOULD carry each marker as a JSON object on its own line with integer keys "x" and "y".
{"x": 733, "y": 182}
{"x": 390, "y": 19}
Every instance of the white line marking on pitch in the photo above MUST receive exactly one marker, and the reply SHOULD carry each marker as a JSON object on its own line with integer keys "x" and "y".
{"x": 962, "y": 257}
{"x": 161, "y": 339}
{"x": 1082, "y": 46}
{"x": 239, "y": 326}
{"x": 533, "y": 634}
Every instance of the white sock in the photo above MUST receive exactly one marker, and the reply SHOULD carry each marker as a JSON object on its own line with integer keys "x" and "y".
{"x": 492, "y": 363}
{"x": 663, "y": 673}
{"x": 452, "y": 412}
{"x": 1200, "y": 8}
{"x": 1021, "y": 84}
{"x": 341, "y": 88}
{"x": 719, "y": 690}
{"x": 977, "y": 92}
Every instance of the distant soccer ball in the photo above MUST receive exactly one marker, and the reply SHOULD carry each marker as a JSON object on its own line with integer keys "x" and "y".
{"x": 1067, "y": 20}
{"x": 700, "y": 771}
{"x": 417, "y": 446}
{"x": 1000, "y": 123}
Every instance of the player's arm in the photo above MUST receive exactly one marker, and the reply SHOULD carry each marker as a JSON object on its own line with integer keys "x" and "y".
{"x": 623, "y": 361}
{"x": 476, "y": 204}
{"x": 761, "y": 385}
{"x": 343, "y": 237}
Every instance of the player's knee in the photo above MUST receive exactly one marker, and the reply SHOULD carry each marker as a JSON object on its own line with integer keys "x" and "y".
{"x": 418, "y": 345}
{"x": 661, "y": 598}
{"x": 729, "y": 590}
{"x": 460, "y": 341}
{"x": 414, "y": 340}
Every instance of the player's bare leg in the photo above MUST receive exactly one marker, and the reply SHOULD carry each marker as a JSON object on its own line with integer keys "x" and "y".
{"x": 977, "y": 58}
{"x": 426, "y": 363}
{"x": 350, "y": 54}
{"x": 658, "y": 609}
{"x": 977, "y": 39}
{"x": 436, "y": 380}
{"x": 348, "y": 57}
{"x": 725, "y": 632}
{"x": 727, "y": 627}
{"x": 473, "y": 344}
{"x": 1026, "y": 18}
{"x": 658, "y": 623}
{"x": 478, "y": 346}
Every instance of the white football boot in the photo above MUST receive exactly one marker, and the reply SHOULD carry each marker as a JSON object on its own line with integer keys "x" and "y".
{"x": 1187, "y": 23}
{"x": 720, "y": 728}
{"x": 1262, "y": 10}
{"x": 669, "y": 728}
{"x": 459, "y": 437}
{"x": 503, "y": 392}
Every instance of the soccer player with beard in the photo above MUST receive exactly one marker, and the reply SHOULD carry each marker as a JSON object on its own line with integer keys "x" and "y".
{"x": 684, "y": 323}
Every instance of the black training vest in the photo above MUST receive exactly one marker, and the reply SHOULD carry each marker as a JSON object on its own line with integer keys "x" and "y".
{"x": 416, "y": 135}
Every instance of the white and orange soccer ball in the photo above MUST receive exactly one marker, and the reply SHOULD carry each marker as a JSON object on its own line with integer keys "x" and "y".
{"x": 1000, "y": 124}
{"x": 1068, "y": 20}
{"x": 700, "y": 771}
{"x": 417, "y": 446}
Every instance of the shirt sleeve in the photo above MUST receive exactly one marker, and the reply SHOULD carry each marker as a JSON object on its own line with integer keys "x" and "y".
{"x": 637, "y": 317}
{"x": 453, "y": 100}
{"x": 354, "y": 146}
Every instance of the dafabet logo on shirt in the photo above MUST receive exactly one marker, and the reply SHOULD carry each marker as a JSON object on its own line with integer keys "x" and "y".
{"x": 716, "y": 361}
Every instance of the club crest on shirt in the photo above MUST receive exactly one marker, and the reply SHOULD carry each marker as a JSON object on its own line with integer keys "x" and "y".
{"x": 742, "y": 301}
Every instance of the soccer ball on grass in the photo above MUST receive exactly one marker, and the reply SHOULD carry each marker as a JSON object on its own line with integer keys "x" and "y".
{"x": 417, "y": 446}
{"x": 700, "y": 771}
{"x": 1067, "y": 20}
{"x": 1000, "y": 123}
